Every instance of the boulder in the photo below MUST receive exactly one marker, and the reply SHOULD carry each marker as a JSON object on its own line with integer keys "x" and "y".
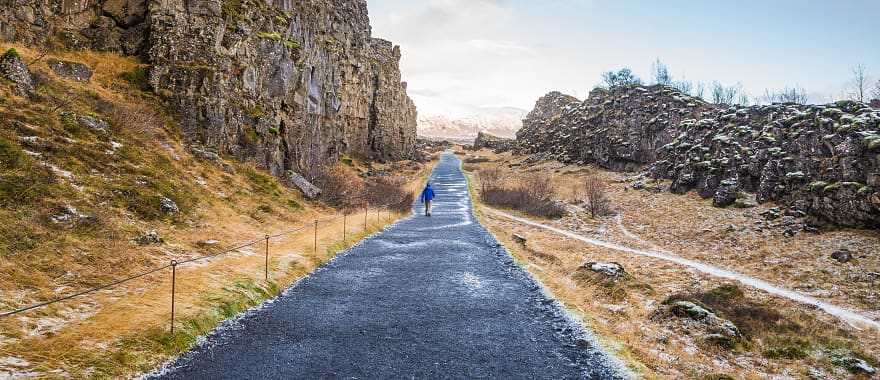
{"x": 13, "y": 69}
{"x": 842, "y": 256}
{"x": 610, "y": 270}
{"x": 294, "y": 179}
{"x": 716, "y": 324}
{"x": 71, "y": 70}
{"x": 168, "y": 206}
{"x": 519, "y": 239}
{"x": 69, "y": 216}
{"x": 846, "y": 359}
{"x": 207, "y": 243}
{"x": 150, "y": 237}
{"x": 726, "y": 194}
{"x": 95, "y": 124}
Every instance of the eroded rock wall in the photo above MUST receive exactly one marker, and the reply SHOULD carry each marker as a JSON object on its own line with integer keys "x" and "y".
{"x": 823, "y": 160}
{"x": 290, "y": 84}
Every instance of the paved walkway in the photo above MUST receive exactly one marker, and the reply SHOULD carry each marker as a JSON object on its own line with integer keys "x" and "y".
{"x": 427, "y": 298}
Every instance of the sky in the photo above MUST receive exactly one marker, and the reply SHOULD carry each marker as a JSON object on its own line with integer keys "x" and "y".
{"x": 463, "y": 56}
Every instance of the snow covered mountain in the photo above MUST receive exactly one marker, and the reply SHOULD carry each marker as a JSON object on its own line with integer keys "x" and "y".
{"x": 497, "y": 121}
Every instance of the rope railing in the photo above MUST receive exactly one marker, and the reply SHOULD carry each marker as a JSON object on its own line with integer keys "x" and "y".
{"x": 175, "y": 263}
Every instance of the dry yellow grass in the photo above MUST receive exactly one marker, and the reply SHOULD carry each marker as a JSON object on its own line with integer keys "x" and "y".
{"x": 122, "y": 331}
{"x": 632, "y": 319}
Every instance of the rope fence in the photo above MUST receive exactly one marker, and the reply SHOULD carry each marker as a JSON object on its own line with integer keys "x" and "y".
{"x": 175, "y": 263}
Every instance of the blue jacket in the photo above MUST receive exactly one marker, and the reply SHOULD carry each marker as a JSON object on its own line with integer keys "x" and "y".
{"x": 427, "y": 194}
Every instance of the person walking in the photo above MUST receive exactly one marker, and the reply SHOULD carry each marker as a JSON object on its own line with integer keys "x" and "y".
{"x": 427, "y": 198}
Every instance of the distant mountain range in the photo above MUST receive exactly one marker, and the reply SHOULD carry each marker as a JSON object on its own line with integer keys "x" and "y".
{"x": 497, "y": 121}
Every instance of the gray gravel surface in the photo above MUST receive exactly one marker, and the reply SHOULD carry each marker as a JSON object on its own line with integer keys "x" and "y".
{"x": 428, "y": 297}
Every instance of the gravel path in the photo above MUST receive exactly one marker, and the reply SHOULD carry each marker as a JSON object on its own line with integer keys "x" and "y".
{"x": 430, "y": 297}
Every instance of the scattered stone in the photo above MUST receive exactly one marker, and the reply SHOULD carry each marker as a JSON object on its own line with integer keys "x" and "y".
{"x": 842, "y": 256}
{"x": 207, "y": 243}
{"x": 818, "y": 374}
{"x": 68, "y": 215}
{"x": 149, "y": 238}
{"x": 612, "y": 270}
{"x": 772, "y": 213}
{"x": 97, "y": 125}
{"x": 716, "y": 324}
{"x": 846, "y": 359}
{"x": 811, "y": 229}
{"x": 72, "y": 70}
{"x": 519, "y": 239}
{"x": 14, "y": 69}
{"x": 168, "y": 206}
{"x": 294, "y": 179}
{"x": 205, "y": 154}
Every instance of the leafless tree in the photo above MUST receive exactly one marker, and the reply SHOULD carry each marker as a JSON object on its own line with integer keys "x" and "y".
{"x": 660, "y": 73}
{"x": 699, "y": 90}
{"x": 722, "y": 94}
{"x": 597, "y": 199}
{"x": 794, "y": 94}
{"x": 684, "y": 86}
{"x": 859, "y": 83}
{"x": 876, "y": 91}
{"x": 622, "y": 77}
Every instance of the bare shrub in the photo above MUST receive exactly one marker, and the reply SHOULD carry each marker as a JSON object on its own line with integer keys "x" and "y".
{"x": 490, "y": 178}
{"x": 532, "y": 194}
{"x": 390, "y": 192}
{"x": 596, "y": 197}
{"x": 342, "y": 189}
{"x": 476, "y": 160}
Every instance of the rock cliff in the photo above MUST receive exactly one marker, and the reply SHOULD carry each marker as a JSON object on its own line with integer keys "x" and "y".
{"x": 286, "y": 83}
{"x": 820, "y": 160}
{"x": 498, "y": 144}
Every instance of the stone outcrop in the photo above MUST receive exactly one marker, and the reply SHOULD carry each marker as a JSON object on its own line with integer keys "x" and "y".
{"x": 822, "y": 160}
{"x": 498, "y": 144}
{"x": 290, "y": 84}
{"x": 13, "y": 69}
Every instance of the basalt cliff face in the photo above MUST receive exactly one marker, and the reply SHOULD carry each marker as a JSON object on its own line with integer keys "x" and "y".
{"x": 818, "y": 160}
{"x": 289, "y": 84}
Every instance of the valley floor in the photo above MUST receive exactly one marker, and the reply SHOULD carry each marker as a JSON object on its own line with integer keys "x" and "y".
{"x": 779, "y": 337}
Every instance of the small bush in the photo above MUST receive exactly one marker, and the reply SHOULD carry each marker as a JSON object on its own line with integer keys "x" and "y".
{"x": 476, "y": 160}
{"x": 11, "y": 53}
{"x": 139, "y": 77}
{"x": 596, "y": 197}
{"x": 785, "y": 352}
{"x": 390, "y": 192}
{"x": 532, "y": 194}
{"x": 342, "y": 189}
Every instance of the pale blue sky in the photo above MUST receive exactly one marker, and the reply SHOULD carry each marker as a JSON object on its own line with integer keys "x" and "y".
{"x": 462, "y": 54}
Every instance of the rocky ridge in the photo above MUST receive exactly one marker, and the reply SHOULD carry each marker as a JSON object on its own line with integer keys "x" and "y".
{"x": 285, "y": 83}
{"x": 817, "y": 160}
{"x": 498, "y": 144}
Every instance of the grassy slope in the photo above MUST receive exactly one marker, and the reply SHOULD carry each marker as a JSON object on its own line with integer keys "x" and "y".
{"x": 116, "y": 180}
{"x": 782, "y": 337}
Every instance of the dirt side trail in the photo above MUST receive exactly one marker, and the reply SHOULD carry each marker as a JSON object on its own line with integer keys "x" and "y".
{"x": 430, "y": 297}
